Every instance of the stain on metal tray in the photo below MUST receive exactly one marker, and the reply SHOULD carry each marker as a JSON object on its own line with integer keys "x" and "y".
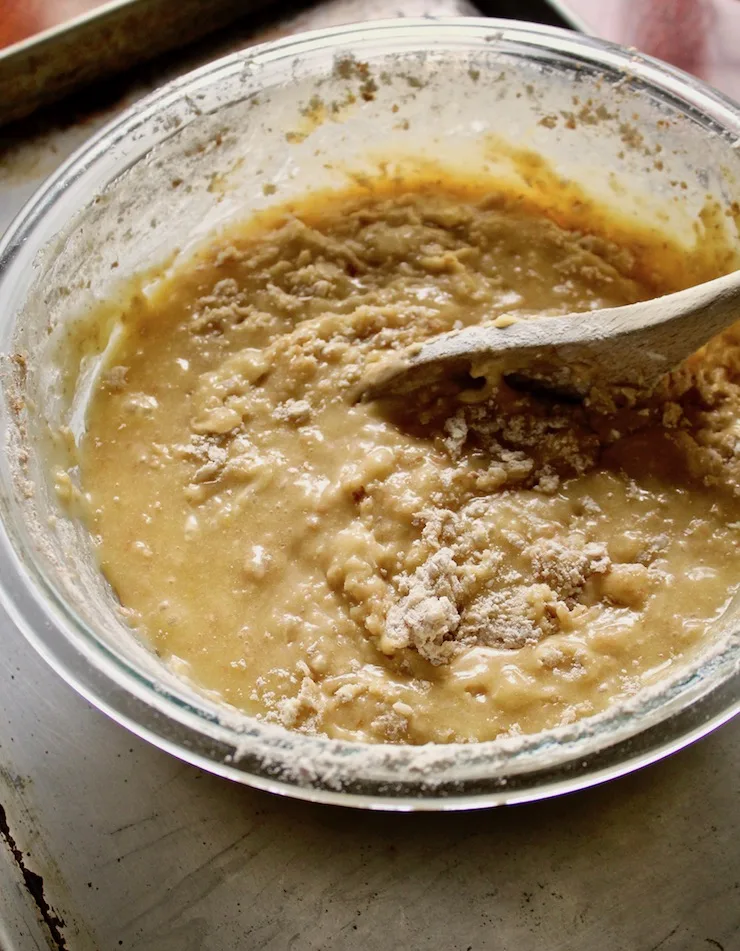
{"x": 34, "y": 884}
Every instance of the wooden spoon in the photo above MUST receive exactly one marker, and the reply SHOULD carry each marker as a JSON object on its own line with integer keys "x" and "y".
{"x": 620, "y": 347}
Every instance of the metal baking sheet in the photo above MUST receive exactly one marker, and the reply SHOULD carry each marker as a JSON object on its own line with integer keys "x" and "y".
{"x": 107, "y": 39}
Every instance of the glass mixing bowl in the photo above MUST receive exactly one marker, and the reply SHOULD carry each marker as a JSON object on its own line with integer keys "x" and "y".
{"x": 298, "y": 114}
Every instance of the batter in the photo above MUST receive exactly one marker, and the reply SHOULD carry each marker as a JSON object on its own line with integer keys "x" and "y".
{"x": 464, "y": 566}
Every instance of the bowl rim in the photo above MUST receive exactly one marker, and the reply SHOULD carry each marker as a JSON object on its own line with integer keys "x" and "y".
{"x": 195, "y": 733}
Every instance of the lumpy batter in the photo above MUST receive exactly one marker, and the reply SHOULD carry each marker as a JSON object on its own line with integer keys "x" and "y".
{"x": 467, "y": 565}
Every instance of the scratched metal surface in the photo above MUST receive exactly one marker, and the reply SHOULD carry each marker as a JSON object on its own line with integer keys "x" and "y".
{"x": 107, "y": 843}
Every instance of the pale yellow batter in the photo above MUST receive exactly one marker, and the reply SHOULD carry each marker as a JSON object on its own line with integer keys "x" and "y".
{"x": 447, "y": 570}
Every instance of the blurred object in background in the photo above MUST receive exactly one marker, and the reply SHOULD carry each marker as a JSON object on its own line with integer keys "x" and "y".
{"x": 700, "y": 36}
{"x": 20, "y": 19}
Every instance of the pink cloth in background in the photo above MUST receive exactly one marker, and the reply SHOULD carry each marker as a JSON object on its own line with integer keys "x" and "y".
{"x": 700, "y": 36}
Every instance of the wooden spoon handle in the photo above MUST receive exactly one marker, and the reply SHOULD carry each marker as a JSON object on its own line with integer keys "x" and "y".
{"x": 684, "y": 321}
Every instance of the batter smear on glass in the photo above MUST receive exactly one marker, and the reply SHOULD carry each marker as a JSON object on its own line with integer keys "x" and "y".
{"x": 453, "y": 567}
